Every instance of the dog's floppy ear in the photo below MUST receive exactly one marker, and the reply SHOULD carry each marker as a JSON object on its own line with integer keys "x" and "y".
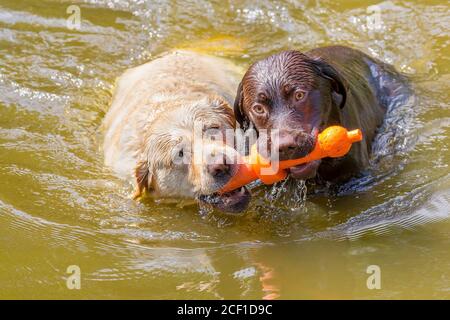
{"x": 239, "y": 114}
{"x": 338, "y": 84}
{"x": 143, "y": 179}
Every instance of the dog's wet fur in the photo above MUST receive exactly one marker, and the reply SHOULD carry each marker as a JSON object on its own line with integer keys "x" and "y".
{"x": 156, "y": 107}
{"x": 151, "y": 123}
{"x": 300, "y": 94}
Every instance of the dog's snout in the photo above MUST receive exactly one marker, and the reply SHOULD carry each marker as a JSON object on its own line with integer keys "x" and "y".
{"x": 219, "y": 166}
{"x": 287, "y": 146}
{"x": 218, "y": 170}
{"x": 294, "y": 145}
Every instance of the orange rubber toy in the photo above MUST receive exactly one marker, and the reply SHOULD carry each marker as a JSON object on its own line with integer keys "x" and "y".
{"x": 334, "y": 142}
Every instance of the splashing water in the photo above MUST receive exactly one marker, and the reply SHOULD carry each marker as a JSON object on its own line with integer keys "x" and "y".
{"x": 289, "y": 194}
{"x": 205, "y": 209}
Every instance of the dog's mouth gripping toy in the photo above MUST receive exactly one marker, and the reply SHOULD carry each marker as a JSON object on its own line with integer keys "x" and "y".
{"x": 333, "y": 142}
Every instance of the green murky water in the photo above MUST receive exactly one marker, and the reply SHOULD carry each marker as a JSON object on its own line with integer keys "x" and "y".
{"x": 59, "y": 206}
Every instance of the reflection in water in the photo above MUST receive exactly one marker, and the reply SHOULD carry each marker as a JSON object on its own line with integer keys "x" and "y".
{"x": 59, "y": 205}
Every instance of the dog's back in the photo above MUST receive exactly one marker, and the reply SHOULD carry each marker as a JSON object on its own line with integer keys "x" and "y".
{"x": 373, "y": 86}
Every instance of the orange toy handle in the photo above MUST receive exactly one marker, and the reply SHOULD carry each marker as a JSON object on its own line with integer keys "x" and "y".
{"x": 334, "y": 142}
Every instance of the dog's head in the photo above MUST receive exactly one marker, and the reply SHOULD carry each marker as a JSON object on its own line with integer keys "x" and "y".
{"x": 188, "y": 154}
{"x": 293, "y": 94}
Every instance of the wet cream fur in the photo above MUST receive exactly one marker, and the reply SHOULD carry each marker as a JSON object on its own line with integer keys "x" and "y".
{"x": 152, "y": 116}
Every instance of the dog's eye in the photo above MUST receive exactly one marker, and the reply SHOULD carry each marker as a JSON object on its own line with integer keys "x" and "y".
{"x": 181, "y": 156}
{"x": 299, "y": 95}
{"x": 211, "y": 127}
{"x": 259, "y": 109}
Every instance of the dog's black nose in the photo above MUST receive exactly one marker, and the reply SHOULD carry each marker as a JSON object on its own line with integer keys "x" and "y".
{"x": 218, "y": 170}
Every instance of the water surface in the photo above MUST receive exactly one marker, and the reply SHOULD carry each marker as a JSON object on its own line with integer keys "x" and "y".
{"x": 60, "y": 206}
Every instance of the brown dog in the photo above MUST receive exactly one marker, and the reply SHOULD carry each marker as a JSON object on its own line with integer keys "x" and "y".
{"x": 301, "y": 94}
{"x": 151, "y": 135}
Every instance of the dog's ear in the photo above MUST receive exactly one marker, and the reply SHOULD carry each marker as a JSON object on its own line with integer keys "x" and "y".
{"x": 239, "y": 114}
{"x": 143, "y": 179}
{"x": 338, "y": 83}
